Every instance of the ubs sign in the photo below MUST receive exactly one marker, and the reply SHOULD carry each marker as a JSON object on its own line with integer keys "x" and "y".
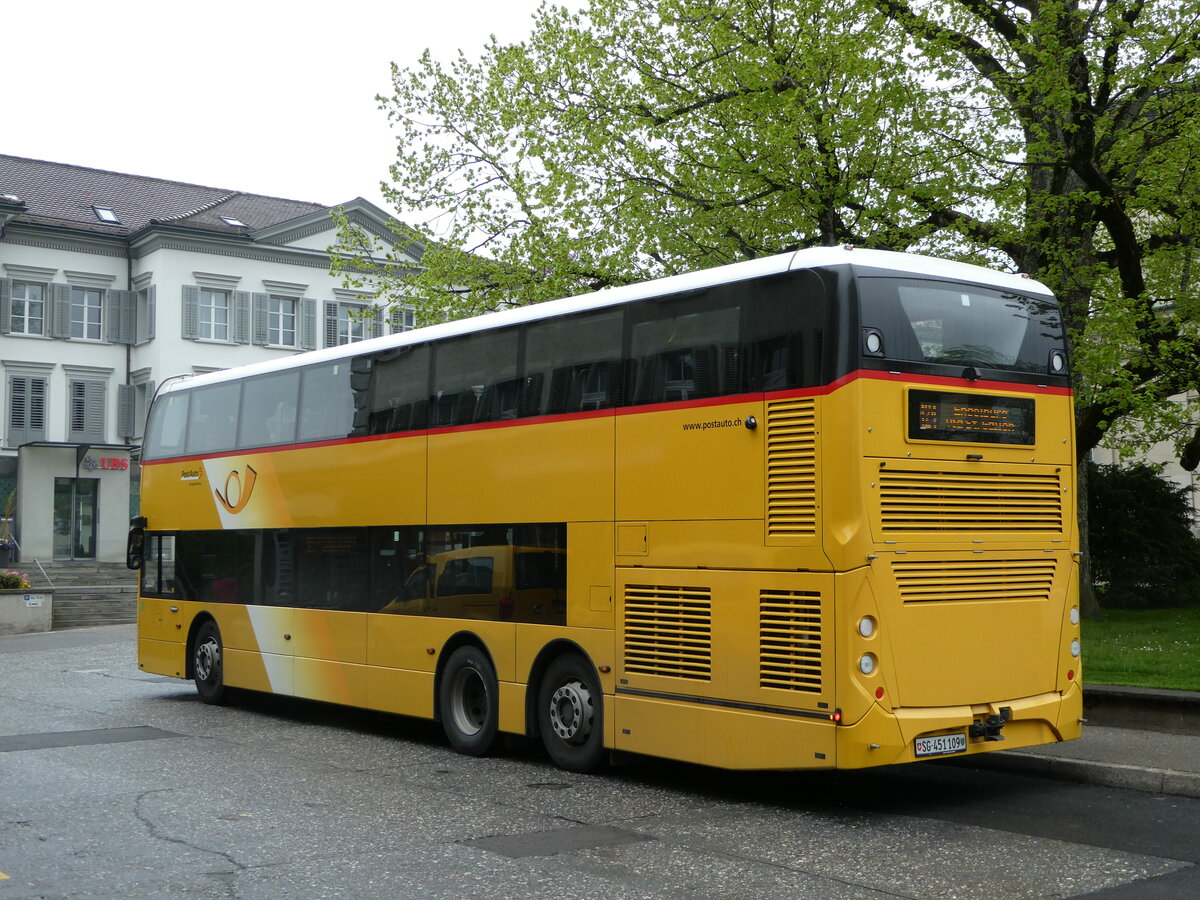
{"x": 105, "y": 463}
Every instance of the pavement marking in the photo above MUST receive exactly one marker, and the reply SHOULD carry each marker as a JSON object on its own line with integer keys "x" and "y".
{"x": 14, "y": 742}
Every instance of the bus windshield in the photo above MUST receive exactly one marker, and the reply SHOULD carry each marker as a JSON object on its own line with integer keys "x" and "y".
{"x": 961, "y": 325}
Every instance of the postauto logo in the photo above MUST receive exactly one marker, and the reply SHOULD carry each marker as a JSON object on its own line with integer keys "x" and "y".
{"x": 238, "y": 489}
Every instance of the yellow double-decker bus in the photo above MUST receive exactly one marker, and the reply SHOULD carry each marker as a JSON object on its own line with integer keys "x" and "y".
{"x": 813, "y": 510}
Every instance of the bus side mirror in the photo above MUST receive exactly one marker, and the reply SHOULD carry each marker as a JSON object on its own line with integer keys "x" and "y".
{"x": 134, "y": 555}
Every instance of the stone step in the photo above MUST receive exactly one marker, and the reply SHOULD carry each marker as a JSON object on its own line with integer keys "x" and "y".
{"x": 86, "y": 593}
{"x": 77, "y": 609}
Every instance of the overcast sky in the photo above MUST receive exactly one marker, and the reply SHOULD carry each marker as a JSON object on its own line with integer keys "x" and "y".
{"x": 268, "y": 97}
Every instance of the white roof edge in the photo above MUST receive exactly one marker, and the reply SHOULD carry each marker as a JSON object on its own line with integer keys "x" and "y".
{"x": 812, "y": 258}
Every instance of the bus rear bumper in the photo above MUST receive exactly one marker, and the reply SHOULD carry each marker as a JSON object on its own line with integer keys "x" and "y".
{"x": 884, "y": 737}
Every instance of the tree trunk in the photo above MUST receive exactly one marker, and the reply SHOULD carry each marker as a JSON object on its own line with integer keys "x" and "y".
{"x": 1089, "y": 606}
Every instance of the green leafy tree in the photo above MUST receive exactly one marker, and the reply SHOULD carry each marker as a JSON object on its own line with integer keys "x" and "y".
{"x": 647, "y": 137}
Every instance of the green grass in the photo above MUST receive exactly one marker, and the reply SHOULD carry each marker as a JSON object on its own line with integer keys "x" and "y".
{"x": 1157, "y": 648}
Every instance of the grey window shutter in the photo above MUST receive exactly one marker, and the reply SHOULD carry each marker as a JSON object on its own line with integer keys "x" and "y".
{"x": 60, "y": 311}
{"x": 331, "y": 335}
{"x": 191, "y": 311}
{"x": 122, "y": 308}
{"x": 26, "y": 409}
{"x": 262, "y": 306}
{"x": 86, "y": 422}
{"x": 126, "y": 410}
{"x": 377, "y": 322}
{"x": 309, "y": 313}
{"x": 241, "y": 316}
{"x": 151, "y": 311}
{"x": 5, "y": 305}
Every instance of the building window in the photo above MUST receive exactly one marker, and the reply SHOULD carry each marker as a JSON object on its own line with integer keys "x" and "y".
{"x": 28, "y": 308}
{"x": 87, "y": 314}
{"x": 351, "y": 324}
{"x": 281, "y": 321}
{"x": 86, "y": 411}
{"x": 233, "y": 221}
{"x": 403, "y": 319}
{"x": 214, "y": 315}
{"x": 106, "y": 215}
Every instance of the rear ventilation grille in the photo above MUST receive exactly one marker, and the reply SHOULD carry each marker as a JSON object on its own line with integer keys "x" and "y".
{"x": 789, "y": 638}
{"x": 792, "y": 469}
{"x": 668, "y": 631}
{"x": 977, "y": 580}
{"x": 929, "y": 500}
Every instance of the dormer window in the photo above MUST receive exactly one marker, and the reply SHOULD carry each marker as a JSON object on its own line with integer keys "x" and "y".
{"x": 106, "y": 215}
{"x": 235, "y": 222}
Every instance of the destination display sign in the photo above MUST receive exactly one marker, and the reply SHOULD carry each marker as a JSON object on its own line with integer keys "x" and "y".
{"x": 970, "y": 418}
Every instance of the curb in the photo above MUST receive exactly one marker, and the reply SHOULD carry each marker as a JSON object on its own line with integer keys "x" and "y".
{"x": 1086, "y": 771}
{"x": 1175, "y": 712}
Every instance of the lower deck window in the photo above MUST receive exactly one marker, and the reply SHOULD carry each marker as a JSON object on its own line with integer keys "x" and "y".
{"x": 495, "y": 572}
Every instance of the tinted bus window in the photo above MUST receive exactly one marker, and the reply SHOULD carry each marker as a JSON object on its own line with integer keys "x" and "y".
{"x": 398, "y": 396}
{"x": 326, "y": 402}
{"x": 331, "y": 568}
{"x": 212, "y": 418}
{"x": 167, "y": 428}
{"x": 687, "y": 347}
{"x": 573, "y": 364}
{"x": 269, "y": 410}
{"x": 960, "y": 325}
{"x": 215, "y": 566}
{"x": 784, "y": 326}
{"x": 475, "y": 379}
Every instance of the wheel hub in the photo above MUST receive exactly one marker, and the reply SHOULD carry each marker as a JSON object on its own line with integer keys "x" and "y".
{"x": 208, "y": 659}
{"x": 468, "y": 701}
{"x": 572, "y": 712}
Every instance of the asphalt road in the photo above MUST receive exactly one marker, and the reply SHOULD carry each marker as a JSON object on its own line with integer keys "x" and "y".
{"x": 114, "y": 783}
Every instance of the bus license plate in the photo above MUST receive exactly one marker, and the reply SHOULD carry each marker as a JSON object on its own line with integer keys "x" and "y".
{"x": 941, "y": 744}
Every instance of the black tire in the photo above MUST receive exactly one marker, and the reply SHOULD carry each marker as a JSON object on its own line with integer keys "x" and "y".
{"x": 469, "y": 701}
{"x": 208, "y": 669}
{"x": 571, "y": 714}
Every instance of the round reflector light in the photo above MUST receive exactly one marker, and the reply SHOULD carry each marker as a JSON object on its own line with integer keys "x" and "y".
{"x": 866, "y": 664}
{"x": 1074, "y": 615}
{"x": 866, "y": 626}
{"x": 1075, "y": 648}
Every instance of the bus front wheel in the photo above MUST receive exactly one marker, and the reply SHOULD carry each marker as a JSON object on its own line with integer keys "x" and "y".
{"x": 207, "y": 669}
{"x": 571, "y": 714}
{"x": 468, "y": 697}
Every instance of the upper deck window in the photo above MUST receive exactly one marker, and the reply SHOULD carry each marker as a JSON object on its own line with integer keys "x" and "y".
{"x": 962, "y": 325}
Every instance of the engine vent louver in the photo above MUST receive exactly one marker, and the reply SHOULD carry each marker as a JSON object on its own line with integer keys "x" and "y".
{"x": 974, "y": 580}
{"x": 668, "y": 631}
{"x": 792, "y": 468}
{"x": 913, "y": 500}
{"x": 789, "y": 637}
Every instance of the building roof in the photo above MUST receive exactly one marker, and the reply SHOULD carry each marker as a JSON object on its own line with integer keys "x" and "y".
{"x": 56, "y": 194}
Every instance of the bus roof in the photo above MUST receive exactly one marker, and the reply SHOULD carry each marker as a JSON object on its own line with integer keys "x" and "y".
{"x": 811, "y": 258}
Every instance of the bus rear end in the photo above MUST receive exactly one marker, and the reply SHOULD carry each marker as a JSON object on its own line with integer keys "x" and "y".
{"x": 951, "y": 451}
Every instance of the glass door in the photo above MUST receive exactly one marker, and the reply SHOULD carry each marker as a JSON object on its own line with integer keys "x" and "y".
{"x": 75, "y": 509}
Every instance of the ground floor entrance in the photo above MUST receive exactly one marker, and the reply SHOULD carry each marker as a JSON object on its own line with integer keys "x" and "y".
{"x": 76, "y": 507}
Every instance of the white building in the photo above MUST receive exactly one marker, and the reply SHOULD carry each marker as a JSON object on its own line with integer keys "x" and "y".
{"x": 111, "y": 283}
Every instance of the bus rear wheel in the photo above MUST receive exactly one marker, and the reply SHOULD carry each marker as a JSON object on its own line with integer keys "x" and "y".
{"x": 468, "y": 697}
{"x": 208, "y": 670}
{"x": 571, "y": 714}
